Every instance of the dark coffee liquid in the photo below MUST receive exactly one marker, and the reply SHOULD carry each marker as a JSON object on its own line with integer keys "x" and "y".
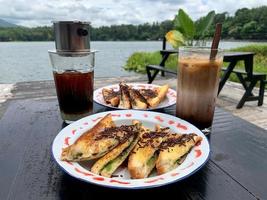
{"x": 75, "y": 93}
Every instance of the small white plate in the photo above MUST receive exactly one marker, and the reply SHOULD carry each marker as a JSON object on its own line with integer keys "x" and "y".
{"x": 169, "y": 100}
{"x": 197, "y": 157}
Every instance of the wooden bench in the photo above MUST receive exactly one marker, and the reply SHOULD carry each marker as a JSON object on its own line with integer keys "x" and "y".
{"x": 153, "y": 70}
{"x": 156, "y": 69}
{"x": 249, "y": 82}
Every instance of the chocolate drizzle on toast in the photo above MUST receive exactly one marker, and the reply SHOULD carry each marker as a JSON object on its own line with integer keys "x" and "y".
{"x": 121, "y": 133}
{"x": 111, "y": 95}
{"x": 181, "y": 140}
{"x": 151, "y": 138}
{"x": 148, "y": 93}
{"x": 136, "y": 95}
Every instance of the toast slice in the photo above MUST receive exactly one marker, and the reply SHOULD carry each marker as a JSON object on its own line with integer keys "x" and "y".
{"x": 111, "y": 97}
{"x": 108, "y": 164}
{"x": 154, "y": 97}
{"x": 98, "y": 141}
{"x": 143, "y": 158}
{"x": 85, "y": 147}
{"x": 125, "y": 101}
{"x": 173, "y": 149}
{"x": 106, "y": 159}
{"x": 137, "y": 100}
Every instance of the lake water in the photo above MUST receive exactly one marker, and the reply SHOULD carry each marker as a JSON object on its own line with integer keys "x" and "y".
{"x": 29, "y": 61}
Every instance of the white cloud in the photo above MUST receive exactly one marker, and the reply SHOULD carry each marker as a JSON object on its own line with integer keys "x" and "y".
{"x": 108, "y": 12}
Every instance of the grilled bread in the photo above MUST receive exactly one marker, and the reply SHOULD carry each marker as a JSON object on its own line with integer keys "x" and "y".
{"x": 98, "y": 141}
{"x": 111, "y": 97}
{"x": 125, "y": 101}
{"x": 143, "y": 158}
{"x": 154, "y": 97}
{"x": 173, "y": 149}
{"x": 111, "y": 167}
{"x": 106, "y": 159}
{"x": 137, "y": 100}
{"x": 128, "y": 97}
{"x": 87, "y": 147}
{"x": 108, "y": 164}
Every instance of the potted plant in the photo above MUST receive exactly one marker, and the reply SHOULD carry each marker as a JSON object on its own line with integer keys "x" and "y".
{"x": 187, "y": 32}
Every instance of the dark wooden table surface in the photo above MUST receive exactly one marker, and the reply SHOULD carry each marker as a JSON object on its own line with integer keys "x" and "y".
{"x": 237, "y": 168}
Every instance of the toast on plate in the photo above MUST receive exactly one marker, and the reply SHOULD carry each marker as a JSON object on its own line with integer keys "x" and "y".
{"x": 128, "y": 97}
{"x": 173, "y": 149}
{"x": 125, "y": 101}
{"x": 108, "y": 164}
{"x": 98, "y": 141}
{"x": 86, "y": 147}
{"x": 111, "y": 97}
{"x": 143, "y": 158}
{"x": 137, "y": 100}
{"x": 154, "y": 97}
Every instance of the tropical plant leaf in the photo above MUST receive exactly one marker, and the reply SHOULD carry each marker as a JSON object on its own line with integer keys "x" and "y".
{"x": 203, "y": 24}
{"x": 175, "y": 38}
{"x": 184, "y": 24}
{"x": 177, "y": 25}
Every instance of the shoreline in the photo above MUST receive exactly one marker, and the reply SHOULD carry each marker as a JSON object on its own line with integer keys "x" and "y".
{"x": 223, "y": 40}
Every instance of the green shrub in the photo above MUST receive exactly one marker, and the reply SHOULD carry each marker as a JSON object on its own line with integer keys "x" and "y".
{"x": 137, "y": 61}
{"x": 258, "y": 49}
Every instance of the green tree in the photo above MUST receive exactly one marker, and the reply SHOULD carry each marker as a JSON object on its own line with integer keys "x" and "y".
{"x": 245, "y": 24}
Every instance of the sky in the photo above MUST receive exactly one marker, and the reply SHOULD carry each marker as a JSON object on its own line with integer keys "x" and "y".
{"x": 33, "y": 13}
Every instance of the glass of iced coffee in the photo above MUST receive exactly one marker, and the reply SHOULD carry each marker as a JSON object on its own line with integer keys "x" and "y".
{"x": 197, "y": 85}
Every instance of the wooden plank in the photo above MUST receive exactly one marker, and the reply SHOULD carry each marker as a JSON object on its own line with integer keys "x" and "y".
{"x": 240, "y": 149}
{"x": 158, "y": 67}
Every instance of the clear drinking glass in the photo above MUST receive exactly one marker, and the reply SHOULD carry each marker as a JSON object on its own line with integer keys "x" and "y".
{"x": 74, "y": 79}
{"x": 197, "y": 86}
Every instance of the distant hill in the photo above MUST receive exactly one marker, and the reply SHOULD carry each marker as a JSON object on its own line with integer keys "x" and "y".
{"x": 5, "y": 24}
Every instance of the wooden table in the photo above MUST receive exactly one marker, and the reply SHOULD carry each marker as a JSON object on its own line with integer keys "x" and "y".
{"x": 233, "y": 58}
{"x": 247, "y": 77}
{"x": 230, "y": 57}
{"x": 237, "y": 168}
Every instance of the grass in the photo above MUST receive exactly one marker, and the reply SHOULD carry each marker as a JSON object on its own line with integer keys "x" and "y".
{"x": 138, "y": 60}
{"x": 260, "y": 59}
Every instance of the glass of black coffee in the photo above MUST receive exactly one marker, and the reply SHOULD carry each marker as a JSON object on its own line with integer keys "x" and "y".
{"x": 74, "y": 80}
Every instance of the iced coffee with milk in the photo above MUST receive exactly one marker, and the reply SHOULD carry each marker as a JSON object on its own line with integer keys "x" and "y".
{"x": 197, "y": 86}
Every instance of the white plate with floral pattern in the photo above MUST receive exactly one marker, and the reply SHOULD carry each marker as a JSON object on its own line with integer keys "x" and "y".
{"x": 197, "y": 157}
{"x": 169, "y": 100}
